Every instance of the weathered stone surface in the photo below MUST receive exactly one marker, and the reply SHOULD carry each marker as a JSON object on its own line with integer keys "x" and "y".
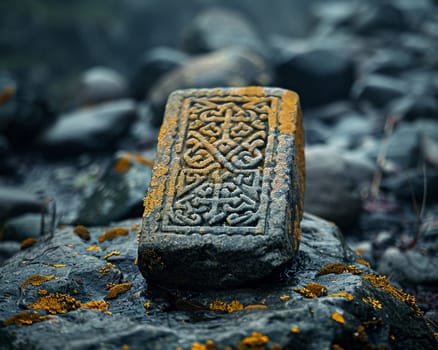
{"x": 228, "y": 67}
{"x": 116, "y": 195}
{"x": 355, "y": 312}
{"x": 225, "y": 200}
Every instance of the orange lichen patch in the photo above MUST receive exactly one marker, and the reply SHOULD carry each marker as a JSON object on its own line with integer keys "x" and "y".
{"x": 156, "y": 189}
{"x": 125, "y": 347}
{"x": 42, "y": 292}
{"x": 107, "y": 268}
{"x": 82, "y": 232}
{"x": 382, "y": 283}
{"x": 373, "y": 302}
{"x": 339, "y": 268}
{"x": 93, "y": 248}
{"x": 6, "y": 94}
{"x": 36, "y": 280}
{"x": 295, "y": 330}
{"x": 338, "y": 317}
{"x": 276, "y": 347}
{"x": 336, "y": 347}
{"x": 232, "y": 306}
{"x": 147, "y": 304}
{"x": 288, "y": 113}
{"x": 56, "y": 303}
{"x": 342, "y": 295}
{"x": 58, "y": 266}
{"x": 209, "y": 345}
{"x": 123, "y": 163}
{"x": 25, "y": 318}
{"x": 364, "y": 263}
{"x": 113, "y": 233}
{"x": 284, "y": 297}
{"x": 110, "y": 254}
{"x": 255, "y": 341}
{"x": 118, "y": 289}
{"x": 392, "y": 336}
{"x": 255, "y": 306}
{"x": 28, "y": 242}
{"x": 99, "y": 305}
{"x": 135, "y": 227}
{"x": 312, "y": 290}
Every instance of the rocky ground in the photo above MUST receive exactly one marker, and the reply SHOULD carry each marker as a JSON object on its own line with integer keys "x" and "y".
{"x": 367, "y": 75}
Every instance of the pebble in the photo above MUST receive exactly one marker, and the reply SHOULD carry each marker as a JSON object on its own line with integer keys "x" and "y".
{"x": 333, "y": 185}
{"x": 232, "y": 67}
{"x": 219, "y": 28}
{"x": 101, "y": 84}
{"x": 303, "y": 72}
{"x": 90, "y": 129}
{"x": 153, "y": 64}
{"x": 378, "y": 90}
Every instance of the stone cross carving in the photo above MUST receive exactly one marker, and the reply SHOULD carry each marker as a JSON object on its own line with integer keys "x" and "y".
{"x": 226, "y": 196}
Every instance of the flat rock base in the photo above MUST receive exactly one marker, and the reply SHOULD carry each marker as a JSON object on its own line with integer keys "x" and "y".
{"x": 353, "y": 312}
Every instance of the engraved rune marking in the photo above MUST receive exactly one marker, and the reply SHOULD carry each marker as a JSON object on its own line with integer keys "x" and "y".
{"x": 219, "y": 176}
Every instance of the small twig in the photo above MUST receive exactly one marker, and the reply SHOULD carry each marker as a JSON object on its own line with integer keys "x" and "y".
{"x": 381, "y": 157}
{"x": 419, "y": 213}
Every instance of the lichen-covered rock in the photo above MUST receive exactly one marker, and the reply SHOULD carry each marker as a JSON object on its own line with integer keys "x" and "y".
{"x": 116, "y": 195}
{"x": 225, "y": 201}
{"x": 68, "y": 274}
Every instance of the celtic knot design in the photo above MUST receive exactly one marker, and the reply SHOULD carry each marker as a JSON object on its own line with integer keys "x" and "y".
{"x": 218, "y": 180}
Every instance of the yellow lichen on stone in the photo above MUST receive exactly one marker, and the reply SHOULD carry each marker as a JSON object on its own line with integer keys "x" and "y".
{"x": 255, "y": 306}
{"x": 82, "y": 232}
{"x": 256, "y": 341}
{"x": 364, "y": 263}
{"x": 209, "y": 345}
{"x": 56, "y": 303}
{"x": 36, "y": 280}
{"x": 113, "y": 233}
{"x": 28, "y": 242}
{"x": 58, "y": 266}
{"x": 284, "y": 297}
{"x": 118, "y": 289}
{"x": 336, "y": 347}
{"x": 373, "y": 302}
{"x": 99, "y": 305}
{"x": 295, "y": 330}
{"x": 382, "y": 283}
{"x": 361, "y": 334}
{"x": 232, "y": 306}
{"x": 342, "y": 295}
{"x": 25, "y": 318}
{"x": 338, "y": 317}
{"x": 110, "y": 254}
{"x": 107, "y": 268}
{"x": 92, "y": 248}
{"x": 125, "y": 347}
{"x": 312, "y": 290}
{"x": 156, "y": 189}
{"x": 338, "y": 268}
{"x": 42, "y": 292}
{"x": 123, "y": 163}
{"x": 147, "y": 304}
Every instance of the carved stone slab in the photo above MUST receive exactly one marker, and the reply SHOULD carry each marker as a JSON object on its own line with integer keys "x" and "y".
{"x": 226, "y": 197}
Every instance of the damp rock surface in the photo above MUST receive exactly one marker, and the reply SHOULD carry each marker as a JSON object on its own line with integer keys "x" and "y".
{"x": 90, "y": 294}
